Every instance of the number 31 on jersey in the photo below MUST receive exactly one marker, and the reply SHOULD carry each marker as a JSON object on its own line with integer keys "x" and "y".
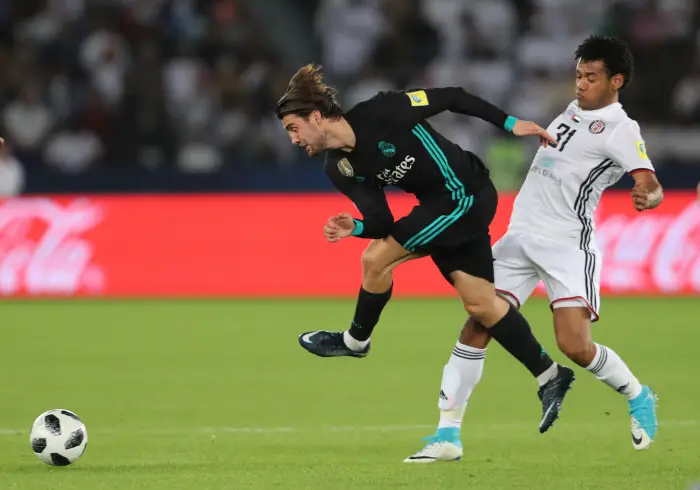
{"x": 564, "y": 134}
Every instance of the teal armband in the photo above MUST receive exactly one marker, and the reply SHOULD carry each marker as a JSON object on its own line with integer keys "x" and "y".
{"x": 359, "y": 227}
{"x": 510, "y": 122}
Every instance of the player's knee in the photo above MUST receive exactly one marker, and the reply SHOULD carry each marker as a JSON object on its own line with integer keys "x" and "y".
{"x": 373, "y": 265}
{"x": 577, "y": 349}
{"x": 487, "y": 309}
{"x": 479, "y": 308}
{"x": 572, "y": 329}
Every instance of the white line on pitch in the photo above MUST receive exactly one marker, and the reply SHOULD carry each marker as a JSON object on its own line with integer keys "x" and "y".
{"x": 350, "y": 428}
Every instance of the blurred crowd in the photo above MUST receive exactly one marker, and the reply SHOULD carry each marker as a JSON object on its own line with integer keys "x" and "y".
{"x": 191, "y": 84}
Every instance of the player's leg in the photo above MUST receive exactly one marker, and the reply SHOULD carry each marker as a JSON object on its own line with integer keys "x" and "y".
{"x": 572, "y": 279}
{"x": 468, "y": 265}
{"x": 515, "y": 277}
{"x": 572, "y": 328}
{"x": 378, "y": 261}
{"x": 465, "y": 366}
{"x": 469, "y": 269}
{"x": 514, "y": 274}
{"x": 509, "y": 327}
{"x": 460, "y": 375}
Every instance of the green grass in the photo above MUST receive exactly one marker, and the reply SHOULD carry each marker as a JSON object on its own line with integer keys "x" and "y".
{"x": 218, "y": 395}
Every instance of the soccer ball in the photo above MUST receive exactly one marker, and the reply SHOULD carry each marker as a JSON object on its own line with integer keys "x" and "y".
{"x": 58, "y": 437}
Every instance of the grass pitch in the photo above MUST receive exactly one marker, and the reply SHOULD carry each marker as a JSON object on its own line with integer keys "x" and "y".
{"x": 219, "y": 395}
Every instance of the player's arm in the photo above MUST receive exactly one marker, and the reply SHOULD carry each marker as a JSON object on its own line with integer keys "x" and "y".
{"x": 369, "y": 200}
{"x": 412, "y": 106}
{"x": 626, "y": 147}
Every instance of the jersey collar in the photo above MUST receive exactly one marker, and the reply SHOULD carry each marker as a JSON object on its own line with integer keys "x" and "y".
{"x": 602, "y": 110}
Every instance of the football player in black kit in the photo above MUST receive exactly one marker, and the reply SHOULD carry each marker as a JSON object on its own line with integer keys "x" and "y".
{"x": 386, "y": 141}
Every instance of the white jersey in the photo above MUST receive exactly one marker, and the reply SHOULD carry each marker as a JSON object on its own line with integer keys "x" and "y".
{"x": 564, "y": 184}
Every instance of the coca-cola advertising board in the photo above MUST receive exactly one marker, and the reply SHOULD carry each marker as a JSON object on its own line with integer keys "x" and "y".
{"x": 261, "y": 245}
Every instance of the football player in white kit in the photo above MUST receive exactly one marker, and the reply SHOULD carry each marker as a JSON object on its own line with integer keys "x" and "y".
{"x": 551, "y": 237}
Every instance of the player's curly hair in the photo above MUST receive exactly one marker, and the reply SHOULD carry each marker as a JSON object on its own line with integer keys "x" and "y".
{"x": 306, "y": 93}
{"x": 613, "y": 52}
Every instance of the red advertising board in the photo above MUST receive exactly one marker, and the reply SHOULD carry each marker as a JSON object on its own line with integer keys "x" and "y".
{"x": 273, "y": 245}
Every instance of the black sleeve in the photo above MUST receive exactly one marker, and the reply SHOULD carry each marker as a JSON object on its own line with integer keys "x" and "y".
{"x": 368, "y": 198}
{"x": 412, "y": 106}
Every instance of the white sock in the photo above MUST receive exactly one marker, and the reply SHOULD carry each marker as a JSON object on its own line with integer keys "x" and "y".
{"x": 459, "y": 377}
{"x": 611, "y": 370}
{"x": 352, "y": 343}
{"x": 547, "y": 375}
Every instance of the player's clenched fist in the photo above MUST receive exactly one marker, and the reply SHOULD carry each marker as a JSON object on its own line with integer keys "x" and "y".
{"x": 644, "y": 199}
{"x": 640, "y": 198}
{"x": 339, "y": 226}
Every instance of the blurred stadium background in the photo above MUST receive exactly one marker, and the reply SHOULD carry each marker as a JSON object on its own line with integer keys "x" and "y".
{"x": 175, "y": 99}
{"x": 156, "y": 95}
{"x": 143, "y": 161}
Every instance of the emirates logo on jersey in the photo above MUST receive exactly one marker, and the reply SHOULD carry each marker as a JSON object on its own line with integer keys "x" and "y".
{"x": 392, "y": 177}
{"x": 597, "y": 127}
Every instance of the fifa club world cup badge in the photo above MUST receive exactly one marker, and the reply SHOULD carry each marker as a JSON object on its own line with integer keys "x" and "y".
{"x": 597, "y": 127}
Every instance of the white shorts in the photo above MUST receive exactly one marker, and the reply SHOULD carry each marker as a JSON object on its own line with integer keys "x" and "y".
{"x": 570, "y": 275}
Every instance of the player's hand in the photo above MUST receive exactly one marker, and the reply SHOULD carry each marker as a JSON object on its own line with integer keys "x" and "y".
{"x": 338, "y": 227}
{"x": 529, "y": 128}
{"x": 640, "y": 198}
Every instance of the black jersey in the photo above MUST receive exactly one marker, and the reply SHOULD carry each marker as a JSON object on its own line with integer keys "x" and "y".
{"x": 395, "y": 146}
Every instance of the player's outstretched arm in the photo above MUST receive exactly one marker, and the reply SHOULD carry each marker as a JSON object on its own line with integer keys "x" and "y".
{"x": 414, "y": 105}
{"x": 411, "y": 106}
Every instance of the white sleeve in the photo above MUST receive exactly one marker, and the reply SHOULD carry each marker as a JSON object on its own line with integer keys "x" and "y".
{"x": 626, "y": 147}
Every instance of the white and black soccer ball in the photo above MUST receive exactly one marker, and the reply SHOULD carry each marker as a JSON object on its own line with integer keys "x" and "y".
{"x": 58, "y": 437}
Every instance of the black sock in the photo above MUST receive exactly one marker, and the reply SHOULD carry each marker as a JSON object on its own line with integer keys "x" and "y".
{"x": 514, "y": 334}
{"x": 369, "y": 307}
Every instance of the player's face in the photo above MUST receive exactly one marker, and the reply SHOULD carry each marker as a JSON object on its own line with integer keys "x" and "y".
{"x": 306, "y": 132}
{"x": 594, "y": 89}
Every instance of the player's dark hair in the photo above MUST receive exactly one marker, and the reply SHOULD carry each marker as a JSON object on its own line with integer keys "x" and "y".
{"x": 613, "y": 52}
{"x": 307, "y": 93}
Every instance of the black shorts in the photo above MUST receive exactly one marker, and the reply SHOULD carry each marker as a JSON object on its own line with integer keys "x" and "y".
{"x": 456, "y": 238}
